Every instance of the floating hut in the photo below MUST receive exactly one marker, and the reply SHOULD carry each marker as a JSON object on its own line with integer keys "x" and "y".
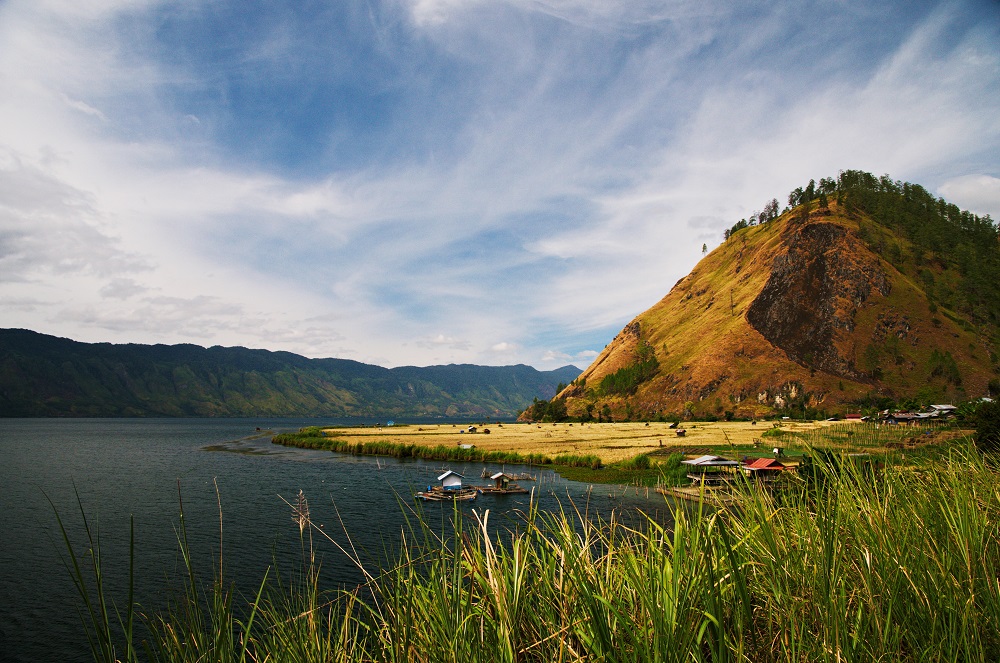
{"x": 450, "y": 489}
{"x": 711, "y": 469}
{"x": 502, "y": 485}
{"x": 451, "y": 480}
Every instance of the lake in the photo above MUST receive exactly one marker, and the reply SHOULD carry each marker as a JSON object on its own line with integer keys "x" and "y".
{"x": 143, "y": 468}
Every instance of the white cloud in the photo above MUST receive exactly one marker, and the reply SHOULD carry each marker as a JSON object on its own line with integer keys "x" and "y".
{"x": 595, "y": 14}
{"x": 50, "y": 229}
{"x": 977, "y": 193}
{"x": 437, "y": 11}
{"x": 440, "y": 340}
{"x": 555, "y": 355}
{"x": 84, "y": 108}
{"x": 580, "y": 359}
{"x": 199, "y": 317}
{"x": 122, "y": 288}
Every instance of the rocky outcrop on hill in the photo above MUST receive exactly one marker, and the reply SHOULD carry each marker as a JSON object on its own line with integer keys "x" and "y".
{"x": 808, "y": 305}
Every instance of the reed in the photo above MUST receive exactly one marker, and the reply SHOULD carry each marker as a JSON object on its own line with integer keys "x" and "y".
{"x": 900, "y": 564}
{"x": 108, "y": 632}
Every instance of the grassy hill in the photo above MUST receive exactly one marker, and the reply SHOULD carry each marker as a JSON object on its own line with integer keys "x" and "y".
{"x": 43, "y": 375}
{"x": 864, "y": 290}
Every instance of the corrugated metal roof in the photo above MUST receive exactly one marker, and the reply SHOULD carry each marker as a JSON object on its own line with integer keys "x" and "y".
{"x": 448, "y": 473}
{"x": 710, "y": 460}
{"x": 765, "y": 464}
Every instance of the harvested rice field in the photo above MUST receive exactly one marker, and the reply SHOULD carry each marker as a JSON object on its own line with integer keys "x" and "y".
{"x": 612, "y": 442}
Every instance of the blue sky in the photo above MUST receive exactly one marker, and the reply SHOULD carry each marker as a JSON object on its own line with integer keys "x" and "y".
{"x": 445, "y": 181}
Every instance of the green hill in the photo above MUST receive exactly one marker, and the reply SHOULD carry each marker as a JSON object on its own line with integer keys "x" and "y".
{"x": 864, "y": 290}
{"x": 46, "y": 376}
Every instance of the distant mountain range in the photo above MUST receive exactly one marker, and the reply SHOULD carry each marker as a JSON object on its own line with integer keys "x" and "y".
{"x": 47, "y": 376}
{"x": 864, "y": 290}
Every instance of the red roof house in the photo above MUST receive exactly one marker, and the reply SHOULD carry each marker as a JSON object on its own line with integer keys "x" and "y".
{"x": 761, "y": 467}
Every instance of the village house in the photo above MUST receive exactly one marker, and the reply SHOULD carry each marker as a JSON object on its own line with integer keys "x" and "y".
{"x": 934, "y": 412}
{"x": 763, "y": 469}
{"x": 943, "y": 411}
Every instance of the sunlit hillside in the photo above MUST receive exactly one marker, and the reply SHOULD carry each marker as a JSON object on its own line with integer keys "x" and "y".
{"x": 865, "y": 289}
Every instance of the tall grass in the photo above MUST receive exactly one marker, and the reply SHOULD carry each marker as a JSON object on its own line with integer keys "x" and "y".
{"x": 899, "y": 565}
{"x": 108, "y": 632}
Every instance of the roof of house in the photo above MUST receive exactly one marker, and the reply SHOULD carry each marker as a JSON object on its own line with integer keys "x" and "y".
{"x": 710, "y": 460}
{"x": 449, "y": 473}
{"x": 908, "y": 415}
{"x": 944, "y": 407}
{"x": 765, "y": 464}
{"x": 498, "y": 475}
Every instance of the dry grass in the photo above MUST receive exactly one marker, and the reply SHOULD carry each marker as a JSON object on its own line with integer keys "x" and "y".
{"x": 612, "y": 442}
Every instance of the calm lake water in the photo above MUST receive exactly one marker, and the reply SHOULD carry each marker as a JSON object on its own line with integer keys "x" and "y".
{"x": 139, "y": 467}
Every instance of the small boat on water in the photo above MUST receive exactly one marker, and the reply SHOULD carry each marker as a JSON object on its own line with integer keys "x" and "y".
{"x": 502, "y": 485}
{"x": 451, "y": 489}
{"x": 438, "y": 494}
{"x": 514, "y": 489}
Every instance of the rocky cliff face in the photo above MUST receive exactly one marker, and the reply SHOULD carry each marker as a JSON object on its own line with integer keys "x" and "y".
{"x": 809, "y": 304}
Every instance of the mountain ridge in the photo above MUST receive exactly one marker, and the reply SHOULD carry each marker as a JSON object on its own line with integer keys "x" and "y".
{"x": 42, "y": 375}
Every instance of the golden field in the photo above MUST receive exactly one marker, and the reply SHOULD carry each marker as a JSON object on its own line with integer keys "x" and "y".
{"x": 612, "y": 442}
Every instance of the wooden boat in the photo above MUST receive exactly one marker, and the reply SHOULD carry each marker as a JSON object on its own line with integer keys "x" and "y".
{"x": 502, "y": 485}
{"x": 511, "y": 489}
{"x": 438, "y": 494}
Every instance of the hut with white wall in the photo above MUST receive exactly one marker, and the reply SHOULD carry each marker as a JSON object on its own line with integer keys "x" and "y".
{"x": 451, "y": 480}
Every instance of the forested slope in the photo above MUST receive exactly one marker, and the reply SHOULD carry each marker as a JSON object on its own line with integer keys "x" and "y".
{"x": 43, "y": 375}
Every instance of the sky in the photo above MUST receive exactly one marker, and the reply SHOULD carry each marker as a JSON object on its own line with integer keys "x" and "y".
{"x": 418, "y": 182}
